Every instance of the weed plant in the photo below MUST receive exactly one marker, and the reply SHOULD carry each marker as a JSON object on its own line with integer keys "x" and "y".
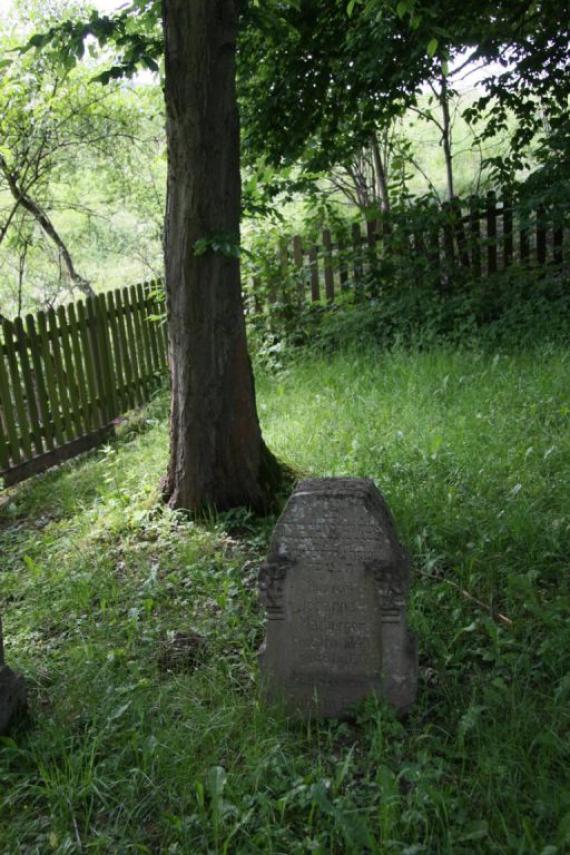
{"x": 131, "y": 748}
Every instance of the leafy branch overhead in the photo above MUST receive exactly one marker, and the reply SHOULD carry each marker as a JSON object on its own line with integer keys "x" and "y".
{"x": 134, "y": 33}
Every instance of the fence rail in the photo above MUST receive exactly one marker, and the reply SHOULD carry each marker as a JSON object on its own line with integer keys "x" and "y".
{"x": 475, "y": 238}
{"x": 66, "y": 374}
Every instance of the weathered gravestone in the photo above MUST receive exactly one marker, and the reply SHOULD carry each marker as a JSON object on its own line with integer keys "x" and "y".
{"x": 12, "y": 691}
{"x": 334, "y": 588}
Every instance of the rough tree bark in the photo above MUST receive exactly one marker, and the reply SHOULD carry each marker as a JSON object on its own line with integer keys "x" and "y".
{"x": 217, "y": 455}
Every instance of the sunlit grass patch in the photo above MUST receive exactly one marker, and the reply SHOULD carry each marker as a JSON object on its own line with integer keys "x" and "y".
{"x": 129, "y": 749}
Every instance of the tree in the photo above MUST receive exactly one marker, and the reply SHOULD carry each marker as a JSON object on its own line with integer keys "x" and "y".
{"x": 56, "y": 127}
{"x": 35, "y": 124}
{"x": 217, "y": 455}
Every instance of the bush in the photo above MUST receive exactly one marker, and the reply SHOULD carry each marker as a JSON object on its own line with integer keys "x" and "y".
{"x": 509, "y": 310}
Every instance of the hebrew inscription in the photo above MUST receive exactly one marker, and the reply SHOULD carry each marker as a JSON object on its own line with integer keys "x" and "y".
{"x": 334, "y": 589}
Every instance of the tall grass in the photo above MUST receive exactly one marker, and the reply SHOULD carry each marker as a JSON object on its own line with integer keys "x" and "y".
{"x": 142, "y": 740}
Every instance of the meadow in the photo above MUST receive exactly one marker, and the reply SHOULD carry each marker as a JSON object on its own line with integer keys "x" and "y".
{"x": 137, "y": 628}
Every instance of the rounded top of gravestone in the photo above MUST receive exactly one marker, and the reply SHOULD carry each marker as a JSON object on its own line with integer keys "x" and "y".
{"x": 350, "y": 512}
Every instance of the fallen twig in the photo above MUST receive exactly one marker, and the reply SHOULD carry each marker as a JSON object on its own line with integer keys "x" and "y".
{"x": 501, "y": 618}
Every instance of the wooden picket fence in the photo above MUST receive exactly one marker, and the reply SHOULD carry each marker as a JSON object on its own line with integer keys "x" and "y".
{"x": 470, "y": 239}
{"x": 67, "y": 374}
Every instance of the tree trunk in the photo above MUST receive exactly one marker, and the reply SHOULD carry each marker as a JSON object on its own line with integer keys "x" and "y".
{"x": 446, "y": 136}
{"x": 46, "y": 224}
{"x": 217, "y": 455}
{"x": 380, "y": 174}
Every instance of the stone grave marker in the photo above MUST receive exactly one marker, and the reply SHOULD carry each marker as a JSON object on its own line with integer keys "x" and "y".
{"x": 334, "y": 588}
{"x": 12, "y": 692}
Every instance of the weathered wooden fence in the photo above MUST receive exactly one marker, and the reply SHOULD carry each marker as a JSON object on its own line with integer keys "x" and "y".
{"x": 471, "y": 239}
{"x": 66, "y": 374}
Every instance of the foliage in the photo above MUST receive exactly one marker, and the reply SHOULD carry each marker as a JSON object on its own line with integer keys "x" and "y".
{"x": 78, "y": 151}
{"x": 130, "y": 747}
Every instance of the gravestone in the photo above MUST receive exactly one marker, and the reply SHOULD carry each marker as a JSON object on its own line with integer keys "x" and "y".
{"x": 334, "y": 589}
{"x": 12, "y": 692}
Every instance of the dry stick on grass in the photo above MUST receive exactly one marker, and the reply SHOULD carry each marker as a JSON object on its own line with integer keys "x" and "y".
{"x": 495, "y": 615}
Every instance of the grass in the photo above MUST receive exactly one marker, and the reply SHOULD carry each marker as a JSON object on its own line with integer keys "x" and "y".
{"x": 138, "y": 743}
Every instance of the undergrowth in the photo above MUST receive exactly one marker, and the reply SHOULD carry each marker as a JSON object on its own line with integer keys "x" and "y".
{"x": 137, "y": 630}
{"x": 513, "y": 310}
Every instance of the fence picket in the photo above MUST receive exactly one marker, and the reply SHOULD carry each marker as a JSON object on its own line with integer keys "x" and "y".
{"x": 24, "y": 428}
{"x": 315, "y": 285}
{"x": 491, "y": 232}
{"x": 130, "y": 386}
{"x": 70, "y": 371}
{"x": 357, "y": 257}
{"x": 329, "y": 279}
{"x": 104, "y": 343}
{"x": 40, "y": 383}
{"x": 4, "y": 445}
{"x": 507, "y": 228}
{"x": 132, "y": 345}
{"x": 475, "y": 234}
{"x": 51, "y": 379}
{"x": 60, "y": 378}
{"x": 298, "y": 262}
{"x": 8, "y": 412}
{"x": 343, "y": 267}
{"x": 80, "y": 371}
{"x": 94, "y": 412}
{"x": 460, "y": 235}
{"x": 121, "y": 391}
{"x": 145, "y": 333}
{"x": 151, "y": 310}
{"x": 34, "y": 417}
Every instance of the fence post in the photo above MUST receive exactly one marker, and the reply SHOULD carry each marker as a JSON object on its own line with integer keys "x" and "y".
{"x": 329, "y": 279}
{"x": 341, "y": 244}
{"x": 298, "y": 261}
{"x": 459, "y": 228}
{"x": 371, "y": 236}
{"x": 315, "y": 287}
{"x": 475, "y": 234}
{"x": 491, "y": 233}
{"x": 357, "y": 259}
{"x": 507, "y": 227}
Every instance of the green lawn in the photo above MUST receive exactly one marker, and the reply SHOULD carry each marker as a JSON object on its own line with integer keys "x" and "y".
{"x": 133, "y": 749}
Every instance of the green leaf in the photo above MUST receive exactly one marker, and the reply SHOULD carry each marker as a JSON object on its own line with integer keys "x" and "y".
{"x": 401, "y": 8}
{"x": 350, "y": 7}
{"x": 432, "y": 47}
